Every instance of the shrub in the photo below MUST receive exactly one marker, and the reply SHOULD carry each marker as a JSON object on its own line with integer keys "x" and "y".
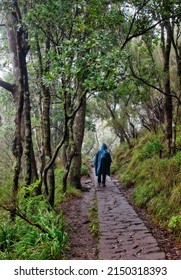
{"x": 152, "y": 148}
{"x": 175, "y": 224}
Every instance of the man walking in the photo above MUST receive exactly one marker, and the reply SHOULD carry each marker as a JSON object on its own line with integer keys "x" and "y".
{"x": 102, "y": 163}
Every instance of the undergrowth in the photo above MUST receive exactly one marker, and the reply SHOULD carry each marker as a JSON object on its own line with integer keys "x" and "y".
{"x": 22, "y": 240}
{"x": 156, "y": 178}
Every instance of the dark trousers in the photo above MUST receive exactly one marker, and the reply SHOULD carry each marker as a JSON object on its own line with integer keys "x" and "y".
{"x": 103, "y": 178}
{"x": 103, "y": 171}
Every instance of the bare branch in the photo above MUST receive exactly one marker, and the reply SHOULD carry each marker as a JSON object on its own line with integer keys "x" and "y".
{"x": 6, "y": 86}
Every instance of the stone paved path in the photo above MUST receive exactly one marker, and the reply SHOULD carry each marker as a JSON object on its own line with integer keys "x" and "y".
{"x": 123, "y": 235}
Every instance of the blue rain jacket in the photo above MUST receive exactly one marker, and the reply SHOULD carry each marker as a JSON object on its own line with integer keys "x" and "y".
{"x": 102, "y": 161}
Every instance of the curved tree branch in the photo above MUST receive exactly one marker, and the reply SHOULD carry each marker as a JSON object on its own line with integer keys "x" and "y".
{"x": 151, "y": 85}
{"x": 142, "y": 32}
{"x": 128, "y": 37}
{"x": 7, "y": 86}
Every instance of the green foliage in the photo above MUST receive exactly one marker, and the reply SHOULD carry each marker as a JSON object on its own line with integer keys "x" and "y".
{"x": 178, "y": 140}
{"x": 21, "y": 240}
{"x": 121, "y": 154}
{"x": 59, "y": 195}
{"x": 143, "y": 193}
{"x": 7, "y": 235}
{"x": 159, "y": 207}
{"x": 152, "y": 148}
{"x": 5, "y": 189}
{"x": 85, "y": 170}
{"x": 6, "y": 136}
{"x": 175, "y": 224}
{"x": 175, "y": 197}
{"x": 86, "y": 165}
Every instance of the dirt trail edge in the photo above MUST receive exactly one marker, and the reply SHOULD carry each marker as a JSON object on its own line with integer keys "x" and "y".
{"x": 82, "y": 244}
{"x": 123, "y": 235}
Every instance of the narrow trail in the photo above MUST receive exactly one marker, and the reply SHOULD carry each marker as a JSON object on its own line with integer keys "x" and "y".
{"x": 124, "y": 232}
{"x": 123, "y": 235}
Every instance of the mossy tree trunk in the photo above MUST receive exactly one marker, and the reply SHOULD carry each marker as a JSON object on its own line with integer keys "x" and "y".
{"x": 45, "y": 131}
{"x": 17, "y": 39}
{"x": 70, "y": 153}
{"x": 14, "y": 37}
{"x": 78, "y": 130}
{"x": 31, "y": 168}
{"x": 47, "y": 143}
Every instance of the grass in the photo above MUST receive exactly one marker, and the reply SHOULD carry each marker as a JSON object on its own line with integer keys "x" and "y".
{"x": 94, "y": 224}
{"x": 20, "y": 240}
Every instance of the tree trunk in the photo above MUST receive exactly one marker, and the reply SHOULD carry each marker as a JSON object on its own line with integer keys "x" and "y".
{"x": 31, "y": 168}
{"x": 166, "y": 71}
{"x": 45, "y": 105}
{"x": 70, "y": 153}
{"x": 14, "y": 37}
{"x": 177, "y": 47}
{"x": 78, "y": 130}
{"x": 47, "y": 144}
{"x": 18, "y": 47}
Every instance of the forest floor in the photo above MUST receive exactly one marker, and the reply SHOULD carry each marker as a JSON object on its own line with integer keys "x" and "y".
{"x": 84, "y": 246}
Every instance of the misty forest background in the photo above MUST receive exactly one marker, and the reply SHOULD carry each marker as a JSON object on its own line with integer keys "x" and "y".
{"x": 75, "y": 74}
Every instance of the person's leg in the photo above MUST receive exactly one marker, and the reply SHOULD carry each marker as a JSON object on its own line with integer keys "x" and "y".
{"x": 99, "y": 179}
{"x": 104, "y": 179}
{"x": 104, "y": 167}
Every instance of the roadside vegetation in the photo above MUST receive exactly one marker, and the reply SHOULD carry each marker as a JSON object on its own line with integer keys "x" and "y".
{"x": 154, "y": 177}
{"x": 38, "y": 231}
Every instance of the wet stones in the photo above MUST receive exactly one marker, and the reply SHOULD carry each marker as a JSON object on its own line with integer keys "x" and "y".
{"x": 123, "y": 235}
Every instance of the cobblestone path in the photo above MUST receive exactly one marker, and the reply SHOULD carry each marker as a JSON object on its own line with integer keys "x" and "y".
{"x": 123, "y": 235}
